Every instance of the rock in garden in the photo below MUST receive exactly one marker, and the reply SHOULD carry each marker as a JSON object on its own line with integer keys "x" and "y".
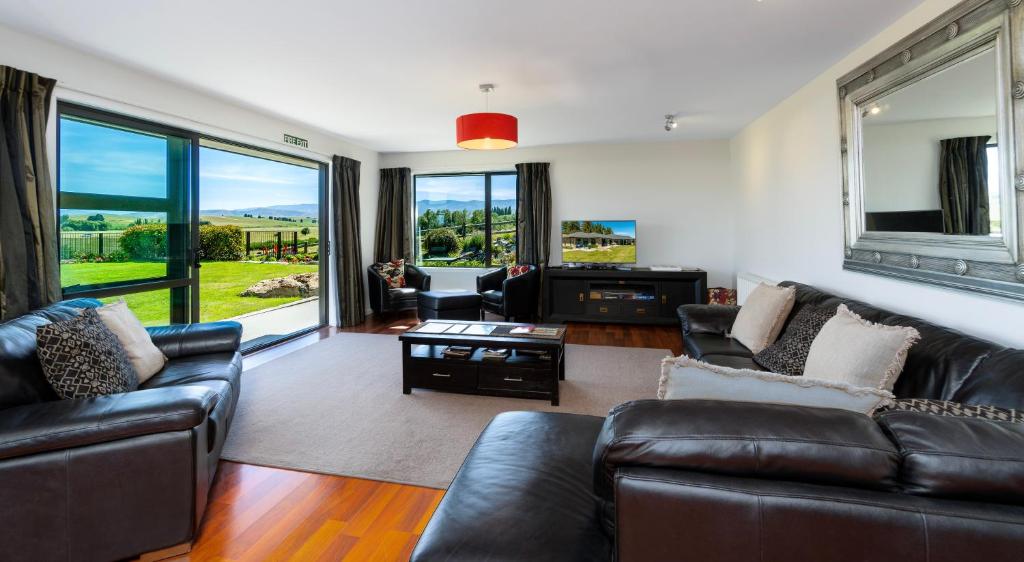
{"x": 295, "y": 285}
{"x": 310, "y": 280}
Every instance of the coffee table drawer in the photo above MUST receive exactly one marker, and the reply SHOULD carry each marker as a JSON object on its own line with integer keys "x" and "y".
{"x": 515, "y": 379}
{"x": 438, "y": 374}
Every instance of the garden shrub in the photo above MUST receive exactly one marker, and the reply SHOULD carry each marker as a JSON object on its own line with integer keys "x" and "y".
{"x": 145, "y": 241}
{"x": 474, "y": 243}
{"x": 221, "y": 243}
{"x": 441, "y": 241}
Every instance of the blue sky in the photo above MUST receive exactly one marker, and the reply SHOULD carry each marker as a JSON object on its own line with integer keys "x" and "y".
{"x": 109, "y": 161}
{"x": 625, "y": 228}
{"x": 463, "y": 188}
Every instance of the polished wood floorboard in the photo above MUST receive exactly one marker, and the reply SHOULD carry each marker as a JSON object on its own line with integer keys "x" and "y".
{"x": 257, "y": 513}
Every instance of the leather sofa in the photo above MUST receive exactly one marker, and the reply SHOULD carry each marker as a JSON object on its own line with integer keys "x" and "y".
{"x": 385, "y": 299}
{"x": 728, "y": 481}
{"x": 510, "y": 297}
{"x": 112, "y": 477}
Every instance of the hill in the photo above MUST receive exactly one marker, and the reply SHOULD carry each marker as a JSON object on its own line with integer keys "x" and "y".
{"x": 453, "y": 205}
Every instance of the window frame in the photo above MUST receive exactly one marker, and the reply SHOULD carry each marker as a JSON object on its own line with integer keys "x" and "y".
{"x": 488, "y": 208}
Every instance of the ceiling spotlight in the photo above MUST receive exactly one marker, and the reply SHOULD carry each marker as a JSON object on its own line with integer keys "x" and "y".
{"x": 670, "y": 122}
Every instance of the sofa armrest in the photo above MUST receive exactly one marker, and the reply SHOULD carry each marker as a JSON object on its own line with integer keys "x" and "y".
{"x": 745, "y": 439}
{"x": 417, "y": 278}
{"x": 707, "y": 318}
{"x": 63, "y": 424}
{"x": 491, "y": 281}
{"x": 181, "y": 340}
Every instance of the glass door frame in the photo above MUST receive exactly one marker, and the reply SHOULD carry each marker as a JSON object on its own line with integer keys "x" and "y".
{"x": 183, "y": 275}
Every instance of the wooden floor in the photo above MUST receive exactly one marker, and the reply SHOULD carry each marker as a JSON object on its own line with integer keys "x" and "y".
{"x": 257, "y": 513}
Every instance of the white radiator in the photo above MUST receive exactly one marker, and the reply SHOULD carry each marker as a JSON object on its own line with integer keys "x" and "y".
{"x": 746, "y": 282}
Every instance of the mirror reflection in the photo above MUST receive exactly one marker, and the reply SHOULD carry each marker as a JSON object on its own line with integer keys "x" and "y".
{"x": 930, "y": 153}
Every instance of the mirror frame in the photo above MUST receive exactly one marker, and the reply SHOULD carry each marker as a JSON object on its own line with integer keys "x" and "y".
{"x": 979, "y": 264}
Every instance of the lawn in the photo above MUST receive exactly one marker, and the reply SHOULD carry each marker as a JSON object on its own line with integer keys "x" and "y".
{"x": 220, "y": 285}
{"x": 604, "y": 254}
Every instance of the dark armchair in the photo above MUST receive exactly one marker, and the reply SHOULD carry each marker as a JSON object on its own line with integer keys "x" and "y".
{"x": 510, "y": 297}
{"x": 386, "y": 299}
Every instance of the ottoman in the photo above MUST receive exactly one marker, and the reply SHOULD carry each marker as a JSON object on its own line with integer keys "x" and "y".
{"x": 448, "y": 305}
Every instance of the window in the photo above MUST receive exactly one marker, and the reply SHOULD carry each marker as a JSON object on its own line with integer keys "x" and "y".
{"x": 124, "y": 223}
{"x": 465, "y": 220}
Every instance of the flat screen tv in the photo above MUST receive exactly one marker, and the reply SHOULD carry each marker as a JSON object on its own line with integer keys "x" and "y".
{"x": 602, "y": 242}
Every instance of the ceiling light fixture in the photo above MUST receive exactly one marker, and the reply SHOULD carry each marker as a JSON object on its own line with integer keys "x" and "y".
{"x": 670, "y": 122}
{"x": 486, "y": 131}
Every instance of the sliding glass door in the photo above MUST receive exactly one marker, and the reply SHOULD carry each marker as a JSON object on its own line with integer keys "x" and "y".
{"x": 186, "y": 228}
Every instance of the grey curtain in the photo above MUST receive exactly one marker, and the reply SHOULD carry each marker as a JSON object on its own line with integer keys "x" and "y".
{"x": 394, "y": 216}
{"x": 533, "y": 209}
{"x": 963, "y": 185}
{"x": 29, "y": 268}
{"x": 348, "y": 258}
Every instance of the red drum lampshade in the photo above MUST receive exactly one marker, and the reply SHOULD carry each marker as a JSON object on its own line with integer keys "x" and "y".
{"x": 486, "y": 131}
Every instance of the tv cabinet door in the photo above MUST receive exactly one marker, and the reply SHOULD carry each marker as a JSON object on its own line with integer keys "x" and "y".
{"x": 677, "y": 293}
{"x": 568, "y": 296}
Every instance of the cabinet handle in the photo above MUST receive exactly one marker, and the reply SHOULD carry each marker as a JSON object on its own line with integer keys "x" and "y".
{"x": 581, "y": 297}
{"x": 441, "y": 375}
{"x": 641, "y": 311}
{"x": 510, "y": 379}
{"x": 603, "y": 309}
{"x": 664, "y": 299}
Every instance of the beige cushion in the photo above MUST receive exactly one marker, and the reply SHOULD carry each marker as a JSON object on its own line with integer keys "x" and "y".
{"x": 762, "y": 316}
{"x": 684, "y": 378}
{"x": 852, "y": 350}
{"x": 145, "y": 357}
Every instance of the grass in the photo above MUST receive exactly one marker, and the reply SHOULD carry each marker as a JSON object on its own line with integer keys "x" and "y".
{"x": 219, "y": 288}
{"x": 604, "y": 254}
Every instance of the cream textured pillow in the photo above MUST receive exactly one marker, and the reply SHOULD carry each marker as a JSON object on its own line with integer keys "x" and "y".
{"x": 684, "y": 378}
{"x": 147, "y": 359}
{"x": 852, "y": 350}
{"x": 762, "y": 316}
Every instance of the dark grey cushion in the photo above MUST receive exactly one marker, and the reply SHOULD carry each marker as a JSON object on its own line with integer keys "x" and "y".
{"x": 788, "y": 355}
{"x": 494, "y": 297}
{"x": 82, "y": 358}
{"x": 441, "y": 300}
{"x": 955, "y": 409}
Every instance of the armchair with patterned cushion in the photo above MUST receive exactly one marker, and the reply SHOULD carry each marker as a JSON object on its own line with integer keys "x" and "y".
{"x": 389, "y": 295}
{"x": 511, "y": 296}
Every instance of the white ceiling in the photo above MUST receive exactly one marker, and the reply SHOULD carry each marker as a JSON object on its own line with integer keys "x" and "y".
{"x": 393, "y": 75}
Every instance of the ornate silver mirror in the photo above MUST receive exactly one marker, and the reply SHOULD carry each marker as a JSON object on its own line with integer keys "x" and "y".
{"x": 933, "y": 187}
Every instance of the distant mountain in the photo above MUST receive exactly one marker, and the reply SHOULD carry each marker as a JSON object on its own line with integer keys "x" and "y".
{"x": 299, "y": 210}
{"x": 452, "y": 205}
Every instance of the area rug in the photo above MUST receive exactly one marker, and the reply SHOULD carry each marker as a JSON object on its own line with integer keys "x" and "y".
{"x": 336, "y": 407}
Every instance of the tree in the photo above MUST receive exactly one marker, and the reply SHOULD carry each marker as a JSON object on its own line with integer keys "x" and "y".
{"x": 95, "y": 218}
{"x": 304, "y": 231}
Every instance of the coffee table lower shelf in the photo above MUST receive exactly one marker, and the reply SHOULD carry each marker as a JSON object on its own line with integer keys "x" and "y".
{"x": 517, "y": 377}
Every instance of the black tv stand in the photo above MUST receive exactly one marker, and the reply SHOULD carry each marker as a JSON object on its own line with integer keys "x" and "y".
{"x": 598, "y": 267}
{"x": 633, "y": 296}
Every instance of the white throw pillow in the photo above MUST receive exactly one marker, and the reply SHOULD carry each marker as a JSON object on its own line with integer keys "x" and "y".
{"x": 147, "y": 359}
{"x": 762, "y": 316}
{"x": 683, "y": 378}
{"x": 852, "y": 350}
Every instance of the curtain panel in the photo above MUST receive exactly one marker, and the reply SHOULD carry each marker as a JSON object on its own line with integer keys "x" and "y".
{"x": 348, "y": 257}
{"x": 394, "y": 216}
{"x": 533, "y": 228}
{"x": 29, "y": 268}
{"x": 963, "y": 185}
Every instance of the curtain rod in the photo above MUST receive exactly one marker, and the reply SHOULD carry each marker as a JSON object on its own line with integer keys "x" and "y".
{"x": 218, "y": 130}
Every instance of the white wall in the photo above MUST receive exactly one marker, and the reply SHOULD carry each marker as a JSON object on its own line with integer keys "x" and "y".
{"x": 789, "y": 216}
{"x": 680, "y": 194}
{"x": 901, "y": 161}
{"x": 105, "y": 84}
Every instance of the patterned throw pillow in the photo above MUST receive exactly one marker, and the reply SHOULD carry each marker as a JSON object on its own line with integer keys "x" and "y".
{"x": 81, "y": 358}
{"x": 517, "y": 270}
{"x": 394, "y": 273}
{"x": 955, "y": 409}
{"x": 788, "y": 355}
{"x": 722, "y": 295}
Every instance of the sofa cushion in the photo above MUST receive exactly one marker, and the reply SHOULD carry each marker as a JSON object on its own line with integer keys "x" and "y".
{"x": 958, "y": 457}
{"x": 448, "y": 300}
{"x": 788, "y": 354}
{"x": 955, "y": 409}
{"x": 197, "y": 368}
{"x": 82, "y": 358}
{"x": 733, "y": 361}
{"x": 761, "y": 318}
{"x": 523, "y": 493}
{"x": 492, "y": 296}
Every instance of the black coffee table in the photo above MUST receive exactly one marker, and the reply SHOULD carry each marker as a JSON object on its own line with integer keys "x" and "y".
{"x": 521, "y": 375}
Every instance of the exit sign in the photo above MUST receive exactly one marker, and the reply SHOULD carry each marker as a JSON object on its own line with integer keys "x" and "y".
{"x": 296, "y": 141}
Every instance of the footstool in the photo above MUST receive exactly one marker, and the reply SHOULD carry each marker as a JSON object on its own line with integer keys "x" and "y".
{"x": 448, "y": 305}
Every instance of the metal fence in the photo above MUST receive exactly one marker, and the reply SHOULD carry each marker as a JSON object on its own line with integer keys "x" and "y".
{"x": 74, "y": 245}
{"x": 81, "y": 245}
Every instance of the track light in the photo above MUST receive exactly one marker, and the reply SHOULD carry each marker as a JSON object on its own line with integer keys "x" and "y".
{"x": 670, "y": 122}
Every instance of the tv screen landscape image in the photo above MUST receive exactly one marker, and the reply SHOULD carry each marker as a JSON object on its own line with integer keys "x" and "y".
{"x": 599, "y": 242}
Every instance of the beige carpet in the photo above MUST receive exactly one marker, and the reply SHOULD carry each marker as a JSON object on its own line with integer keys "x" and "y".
{"x": 337, "y": 407}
